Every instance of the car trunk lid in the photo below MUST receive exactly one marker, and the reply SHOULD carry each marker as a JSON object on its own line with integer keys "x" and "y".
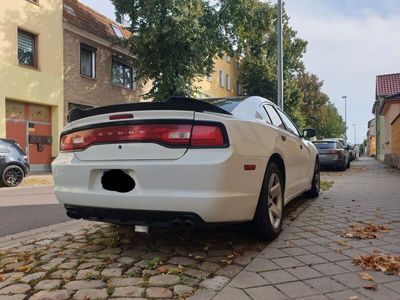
{"x": 131, "y": 135}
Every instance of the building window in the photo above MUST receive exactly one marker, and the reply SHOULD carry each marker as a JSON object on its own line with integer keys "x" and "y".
{"x": 122, "y": 74}
{"x": 221, "y": 78}
{"x": 117, "y": 31}
{"x": 238, "y": 88}
{"x": 27, "y": 48}
{"x": 228, "y": 82}
{"x": 88, "y": 61}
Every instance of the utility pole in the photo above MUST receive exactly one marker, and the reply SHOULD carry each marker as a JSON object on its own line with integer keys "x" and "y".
{"x": 280, "y": 56}
{"x": 345, "y": 118}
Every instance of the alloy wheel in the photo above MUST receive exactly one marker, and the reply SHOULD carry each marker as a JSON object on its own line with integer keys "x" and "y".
{"x": 275, "y": 203}
{"x": 317, "y": 177}
{"x": 13, "y": 176}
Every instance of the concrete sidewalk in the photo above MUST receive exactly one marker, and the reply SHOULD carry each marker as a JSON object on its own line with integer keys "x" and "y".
{"x": 307, "y": 262}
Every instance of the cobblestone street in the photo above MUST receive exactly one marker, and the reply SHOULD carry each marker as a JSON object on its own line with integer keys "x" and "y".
{"x": 311, "y": 259}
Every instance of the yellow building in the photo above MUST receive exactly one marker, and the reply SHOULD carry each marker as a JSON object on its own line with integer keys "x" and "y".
{"x": 224, "y": 81}
{"x": 31, "y": 76}
{"x": 390, "y": 110}
{"x": 371, "y": 141}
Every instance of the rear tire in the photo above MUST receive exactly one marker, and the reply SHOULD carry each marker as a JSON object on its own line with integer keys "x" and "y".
{"x": 268, "y": 218}
{"x": 316, "y": 182}
{"x": 12, "y": 176}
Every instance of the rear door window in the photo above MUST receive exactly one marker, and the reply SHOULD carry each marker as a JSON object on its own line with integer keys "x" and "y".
{"x": 289, "y": 124}
{"x": 340, "y": 145}
{"x": 273, "y": 115}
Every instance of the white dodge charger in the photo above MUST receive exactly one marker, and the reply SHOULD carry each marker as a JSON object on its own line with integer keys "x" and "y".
{"x": 185, "y": 162}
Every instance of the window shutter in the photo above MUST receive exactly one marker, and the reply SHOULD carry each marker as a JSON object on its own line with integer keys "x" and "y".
{"x": 26, "y": 48}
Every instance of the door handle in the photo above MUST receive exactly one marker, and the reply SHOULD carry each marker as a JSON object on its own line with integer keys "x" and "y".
{"x": 283, "y": 138}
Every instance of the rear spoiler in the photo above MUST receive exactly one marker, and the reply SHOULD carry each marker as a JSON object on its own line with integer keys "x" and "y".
{"x": 173, "y": 103}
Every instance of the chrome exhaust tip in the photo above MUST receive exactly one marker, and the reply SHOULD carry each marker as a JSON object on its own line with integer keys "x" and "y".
{"x": 141, "y": 229}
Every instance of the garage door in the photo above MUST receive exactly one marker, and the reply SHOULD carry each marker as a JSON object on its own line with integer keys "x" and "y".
{"x": 30, "y": 126}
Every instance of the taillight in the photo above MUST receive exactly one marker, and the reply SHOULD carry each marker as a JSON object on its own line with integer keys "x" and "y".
{"x": 207, "y": 136}
{"x": 336, "y": 151}
{"x": 173, "y": 135}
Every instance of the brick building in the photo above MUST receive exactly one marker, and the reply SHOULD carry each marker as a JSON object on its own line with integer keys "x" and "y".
{"x": 97, "y": 72}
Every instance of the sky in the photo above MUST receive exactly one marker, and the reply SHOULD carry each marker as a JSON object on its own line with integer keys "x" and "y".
{"x": 349, "y": 43}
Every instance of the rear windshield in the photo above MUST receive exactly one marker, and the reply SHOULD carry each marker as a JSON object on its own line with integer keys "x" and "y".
{"x": 228, "y": 104}
{"x": 325, "y": 145}
{"x": 15, "y": 146}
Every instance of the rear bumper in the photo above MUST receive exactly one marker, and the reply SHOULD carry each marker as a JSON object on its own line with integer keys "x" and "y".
{"x": 137, "y": 217}
{"x": 209, "y": 184}
{"x": 332, "y": 160}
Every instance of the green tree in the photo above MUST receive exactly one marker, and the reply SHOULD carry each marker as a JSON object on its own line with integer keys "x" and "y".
{"x": 317, "y": 111}
{"x": 251, "y": 29}
{"x": 330, "y": 122}
{"x": 173, "y": 42}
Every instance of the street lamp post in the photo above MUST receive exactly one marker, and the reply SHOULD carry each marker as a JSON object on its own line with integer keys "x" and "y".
{"x": 355, "y": 134}
{"x": 345, "y": 117}
{"x": 280, "y": 56}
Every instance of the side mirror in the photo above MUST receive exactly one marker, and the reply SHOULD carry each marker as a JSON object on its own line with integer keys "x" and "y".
{"x": 309, "y": 133}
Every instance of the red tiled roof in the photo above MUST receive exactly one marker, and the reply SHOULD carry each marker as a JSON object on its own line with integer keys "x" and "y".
{"x": 91, "y": 21}
{"x": 388, "y": 84}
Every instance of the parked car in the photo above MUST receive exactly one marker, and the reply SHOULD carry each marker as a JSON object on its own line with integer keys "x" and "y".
{"x": 333, "y": 153}
{"x": 185, "y": 162}
{"x": 352, "y": 151}
{"x": 13, "y": 163}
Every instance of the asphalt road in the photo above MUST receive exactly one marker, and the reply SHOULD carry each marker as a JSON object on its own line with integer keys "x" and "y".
{"x": 28, "y": 208}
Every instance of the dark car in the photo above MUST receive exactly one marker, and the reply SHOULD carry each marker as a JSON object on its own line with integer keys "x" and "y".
{"x": 353, "y": 152}
{"x": 13, "y": 163}
{"x": 333, "y": 153}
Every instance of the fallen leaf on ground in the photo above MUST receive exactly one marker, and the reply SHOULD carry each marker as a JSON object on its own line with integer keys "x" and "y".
{"x": 357, "y": 169}
{"x": 227, "y": 261}
{"x": 353, "y": 297}
{"x": 162, "y": 269}
{"x": 2, "y": 278}
{"x": 290, "y": 244}
{"x": 388, "y": 264}
{"x": 372, "y": 287}
{"x": 25, "y": 268}
{"x": 341, "y": 242}
{"x": 366, "y": 276}
{"x": 363, "y": 232}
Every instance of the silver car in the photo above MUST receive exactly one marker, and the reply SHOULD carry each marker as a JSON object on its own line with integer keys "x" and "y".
{"x": 333, "y": 153}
